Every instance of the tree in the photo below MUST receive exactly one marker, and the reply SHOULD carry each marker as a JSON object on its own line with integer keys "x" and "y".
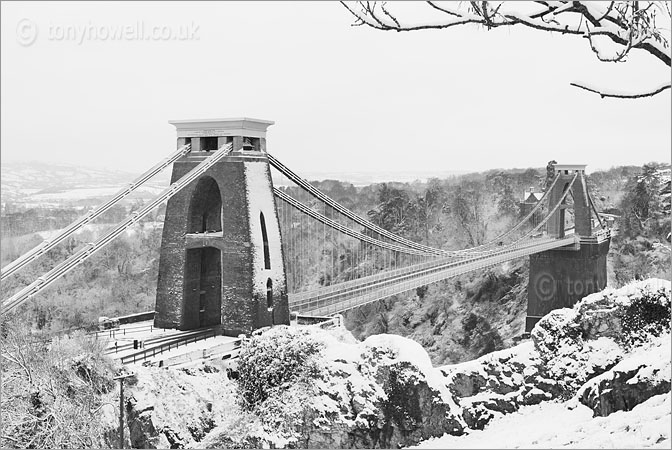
{"x": 396, "y": 211}
{"x": 467, "y": 206}
{"x": 550, "y": 173}
{"x": 644, "y": 209}
{"x": 429, "y": 205}
{"x": 52, "y": 392}
{"x": 502, "y": 185}
{"x": 625, "y": 25}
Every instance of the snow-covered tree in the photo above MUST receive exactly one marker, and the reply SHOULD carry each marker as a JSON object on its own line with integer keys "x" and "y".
{"x": 611, "y": 29}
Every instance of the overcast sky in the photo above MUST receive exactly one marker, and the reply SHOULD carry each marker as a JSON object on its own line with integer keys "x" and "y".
{"x": 343, "y": 98}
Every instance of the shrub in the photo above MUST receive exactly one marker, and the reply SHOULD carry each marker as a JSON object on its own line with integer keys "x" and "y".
{"x": 646, "y": 315}
{"x": 479, "y": 337}
{"x": 274, "y": 360}
{"x": 52, "y": 392}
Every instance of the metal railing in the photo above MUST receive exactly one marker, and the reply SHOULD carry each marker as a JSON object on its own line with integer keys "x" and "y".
{"x": 296, "y": 299}
{"x": 114, "y": 332}
{"x": 150, "y": 341}
{"x": 597, "y": 237}
{"x": 173, "y": 343}
{"x": 340, "y": 300}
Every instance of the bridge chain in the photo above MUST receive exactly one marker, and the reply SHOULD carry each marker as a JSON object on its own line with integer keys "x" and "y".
{"x": 48, "y": 244}
{"x": 88, "y": 251}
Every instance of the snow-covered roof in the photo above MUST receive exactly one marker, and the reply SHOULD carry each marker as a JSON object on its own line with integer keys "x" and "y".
{"x": 239, "y": 126}
{"x": 570, "y": 167}
{"x": 532, "y": 197}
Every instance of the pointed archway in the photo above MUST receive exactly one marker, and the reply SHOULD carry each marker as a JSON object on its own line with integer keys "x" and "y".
{"x": 203, "y": 269}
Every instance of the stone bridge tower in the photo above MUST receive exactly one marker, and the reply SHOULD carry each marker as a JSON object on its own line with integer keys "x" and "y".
{"x": 561, "y": 277}
{"x": 221, "y": 260}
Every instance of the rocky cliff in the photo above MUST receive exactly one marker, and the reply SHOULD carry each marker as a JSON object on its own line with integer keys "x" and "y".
{"x": 609, "y": 353}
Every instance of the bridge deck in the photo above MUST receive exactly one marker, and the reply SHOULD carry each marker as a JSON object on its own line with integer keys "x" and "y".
{"x": 351, "y": 294}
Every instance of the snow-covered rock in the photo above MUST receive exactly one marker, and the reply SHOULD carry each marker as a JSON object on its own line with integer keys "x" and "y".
{"x": 314, "y": 388}
{"x": 569, "y": 348}
{"x": 498, "y": 383}
{"x": 578, "y": 344}
{"x": 175, "y": 408}
{"x": 639, "y": 376}
{"x": 555, "y": 425}
{"x": 382, "y": 392}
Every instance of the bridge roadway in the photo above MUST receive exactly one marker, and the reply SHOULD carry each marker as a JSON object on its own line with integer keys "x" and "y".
{"x": 350, "y": 294}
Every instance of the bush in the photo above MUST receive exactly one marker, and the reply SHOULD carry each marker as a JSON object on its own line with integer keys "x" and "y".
{"x": 52, "y": 392}
{"x": 646, "y": 315}
{"x": 274, "y": 360}
{"x": 479, "y": 337}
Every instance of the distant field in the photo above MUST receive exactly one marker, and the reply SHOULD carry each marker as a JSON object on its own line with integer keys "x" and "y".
{"x": 39, "y": 184}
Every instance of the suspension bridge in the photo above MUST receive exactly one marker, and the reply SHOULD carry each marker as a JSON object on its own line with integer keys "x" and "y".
{"x": 246, "y": 241}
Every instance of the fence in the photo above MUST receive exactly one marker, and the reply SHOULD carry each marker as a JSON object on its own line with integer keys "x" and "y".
{"x": 171, "y": 344}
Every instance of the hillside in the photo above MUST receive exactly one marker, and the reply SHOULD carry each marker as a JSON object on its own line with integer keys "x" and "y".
{"x": 455, "y": 320}
{"x": 469, "y": 316}
{"x": 35, "y": 183}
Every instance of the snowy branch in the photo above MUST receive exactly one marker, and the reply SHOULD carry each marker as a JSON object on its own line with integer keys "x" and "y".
{"x": 623, "y": 95}
{"x": 629, "y": 24}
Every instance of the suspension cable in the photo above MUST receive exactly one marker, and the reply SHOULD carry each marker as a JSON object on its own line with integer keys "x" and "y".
{"x": 48, "y": 244}
{"x": 373, "y": 227}
{"x": 533, "y": 230}
{"x": 501, "y": 237}
{"x": 595, "y": 210}
{"x": 548, "y": 216}
{"x": 93, "y": 247}
{"x": 346, "y": 212}
{"x": 339, "y": 227}
{"x": 366, "y": 284}
{"x": 411, "y": 271}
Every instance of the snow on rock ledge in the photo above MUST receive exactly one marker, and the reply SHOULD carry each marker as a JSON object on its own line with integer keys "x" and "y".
{"x": 580, "y": 343}
{"x": 600, "y": 335}
{"x": 554, "y": 425}
{"x": 498, "y": 383}
{"x": 175, "y": 408}
{"x": 612, "y": 348}
{"x": 382, "y": 392}
{"x": 641, "y": 375}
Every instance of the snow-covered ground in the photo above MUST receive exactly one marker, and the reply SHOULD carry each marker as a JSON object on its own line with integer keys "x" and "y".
{"x": 554, "y": 424}
{"x": 129, "y": 332}
{"x": 92, "y": 192}
{"x": 42, "y": 184}
{"x": 201, "y": 345}
{"x": 97, "y": 229}
{"x": 513, "y": 398}
{"x": 570, "y": 424}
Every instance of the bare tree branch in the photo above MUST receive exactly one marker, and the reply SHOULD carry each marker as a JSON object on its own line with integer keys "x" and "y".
{"x": 611, "y": 6}
{"x": 630, "y": 24}
{"x": 621, "y": 95}
{"x": 624, "y": 23}
{"x": 445, "y": 10}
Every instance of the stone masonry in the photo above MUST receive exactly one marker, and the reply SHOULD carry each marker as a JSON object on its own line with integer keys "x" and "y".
{"x": 207, "y": 270}
{"x": 561, "y": 277}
